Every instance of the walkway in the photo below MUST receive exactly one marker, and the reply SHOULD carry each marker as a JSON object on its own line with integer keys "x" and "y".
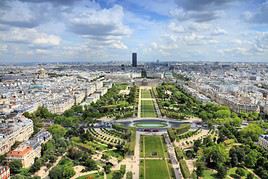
{"x": 172, "y": 156}
{"x": 136, "y": 158}
{"x": 43, "y": 173}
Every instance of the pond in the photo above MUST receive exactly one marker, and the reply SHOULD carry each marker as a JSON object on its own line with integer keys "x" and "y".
{"x": 150, "y": 123}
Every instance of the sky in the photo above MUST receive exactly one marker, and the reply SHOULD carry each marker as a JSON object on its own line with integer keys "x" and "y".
{"x": 110, "y": 30}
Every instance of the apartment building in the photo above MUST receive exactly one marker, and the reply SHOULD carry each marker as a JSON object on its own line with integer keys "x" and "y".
{"x": 18, "y": 129}
{"x": 61, "y": 104}
{"x": 27, "y": 151}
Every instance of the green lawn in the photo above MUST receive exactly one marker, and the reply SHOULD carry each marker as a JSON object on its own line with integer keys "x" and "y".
{"x": 146, "y": 93}
{"x": 147, "y": 108}
{"x": 156, "y": 169}
{"x": 153, "y": 146}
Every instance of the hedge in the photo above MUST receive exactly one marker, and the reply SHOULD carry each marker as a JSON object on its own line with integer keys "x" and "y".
{"x": 132, "y": 142}
{"x": 184, "y": 169}
{"x": 171, "y": 134}
{"x": 183, "y": 128}
{"x": 179, "y": 153}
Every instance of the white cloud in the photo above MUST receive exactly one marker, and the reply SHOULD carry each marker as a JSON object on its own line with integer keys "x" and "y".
{"x": 103, "y": 26}
{"x": 32, "y": 37}
{"x": 219, "y": 31}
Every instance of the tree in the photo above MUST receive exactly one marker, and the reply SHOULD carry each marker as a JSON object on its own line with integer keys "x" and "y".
{"x": 252, "y": 130}
{"x": 117, "y": 175}
{"x": 90, "y": 164}
{"x": 240, "y": 171}
{"x": 251, "y": 158}
{"x": 224, "y": 113}
{"x": 2, "y": 159}
{"x": 197, "y": 144}
{"x": 107, "y": 168}
{"x": 68, "y": 171}
{"x": 56, "y": 173}
{"x": 215, "y": 155}
{"x": 74, "y": 153}
{"x": 57, "y": 131}
{"x": 37, "y": 165}
{"x": 237, "y": 155}
{"x": 222, "y": 171}
{"x": 63, "y": 170}
{"x": 15, "y": 166}
{"x": 200, "y": 167}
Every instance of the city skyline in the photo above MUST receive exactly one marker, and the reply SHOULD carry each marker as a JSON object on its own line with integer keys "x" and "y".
{"x": 101, "y": 31}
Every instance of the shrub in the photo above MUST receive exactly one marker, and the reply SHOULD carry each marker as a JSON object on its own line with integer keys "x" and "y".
{"x": 179, "y": 153}
{"x": 184, "y": 169}
{"x": 183, "y": 128}
{"x": 171, "y": 134}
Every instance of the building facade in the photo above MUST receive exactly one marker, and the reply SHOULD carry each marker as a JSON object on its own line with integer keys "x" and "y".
{"x": 27, "y": 151}
{"x": 134, "y": 60}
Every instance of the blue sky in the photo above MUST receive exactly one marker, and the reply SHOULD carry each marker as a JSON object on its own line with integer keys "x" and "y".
{"x": 104, "y": 30}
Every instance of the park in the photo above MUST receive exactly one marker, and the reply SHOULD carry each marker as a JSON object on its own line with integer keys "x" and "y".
{"x": 145, "y": 132}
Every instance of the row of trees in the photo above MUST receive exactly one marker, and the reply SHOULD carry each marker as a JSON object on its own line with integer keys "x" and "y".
{"x": 175, "y": 103}
{"x": 113, "y": 104}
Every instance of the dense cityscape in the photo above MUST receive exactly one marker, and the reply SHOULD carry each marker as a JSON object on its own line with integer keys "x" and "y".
{"x": 133, "y": 89}
{"x": 151, "y": 120}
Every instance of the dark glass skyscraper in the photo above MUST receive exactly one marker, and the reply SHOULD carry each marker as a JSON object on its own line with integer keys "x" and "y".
{"x": 134, "y": 59}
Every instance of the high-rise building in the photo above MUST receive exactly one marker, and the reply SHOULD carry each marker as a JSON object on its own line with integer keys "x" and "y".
{"x": 134, "y": 59}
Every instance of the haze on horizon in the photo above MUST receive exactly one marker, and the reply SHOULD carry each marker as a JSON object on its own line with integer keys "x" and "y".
{"x": 84, "y": 30}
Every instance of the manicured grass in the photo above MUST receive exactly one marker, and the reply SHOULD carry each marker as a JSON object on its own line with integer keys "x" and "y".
{"x": 91, "y": 176}
{"x": 153, "y": 146}
{"x": 146, "y": 93}
{"x": 147, "y": 108}
{"x": 155, "y": 169}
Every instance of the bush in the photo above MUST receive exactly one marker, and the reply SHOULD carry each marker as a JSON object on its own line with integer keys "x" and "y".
{"x": 171, "y": 134}
{"x": 184, "y": 169}
{"x": 179, "y": 153}
{"x": 15, "y": 166}
{"x": 183, "y": 128}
